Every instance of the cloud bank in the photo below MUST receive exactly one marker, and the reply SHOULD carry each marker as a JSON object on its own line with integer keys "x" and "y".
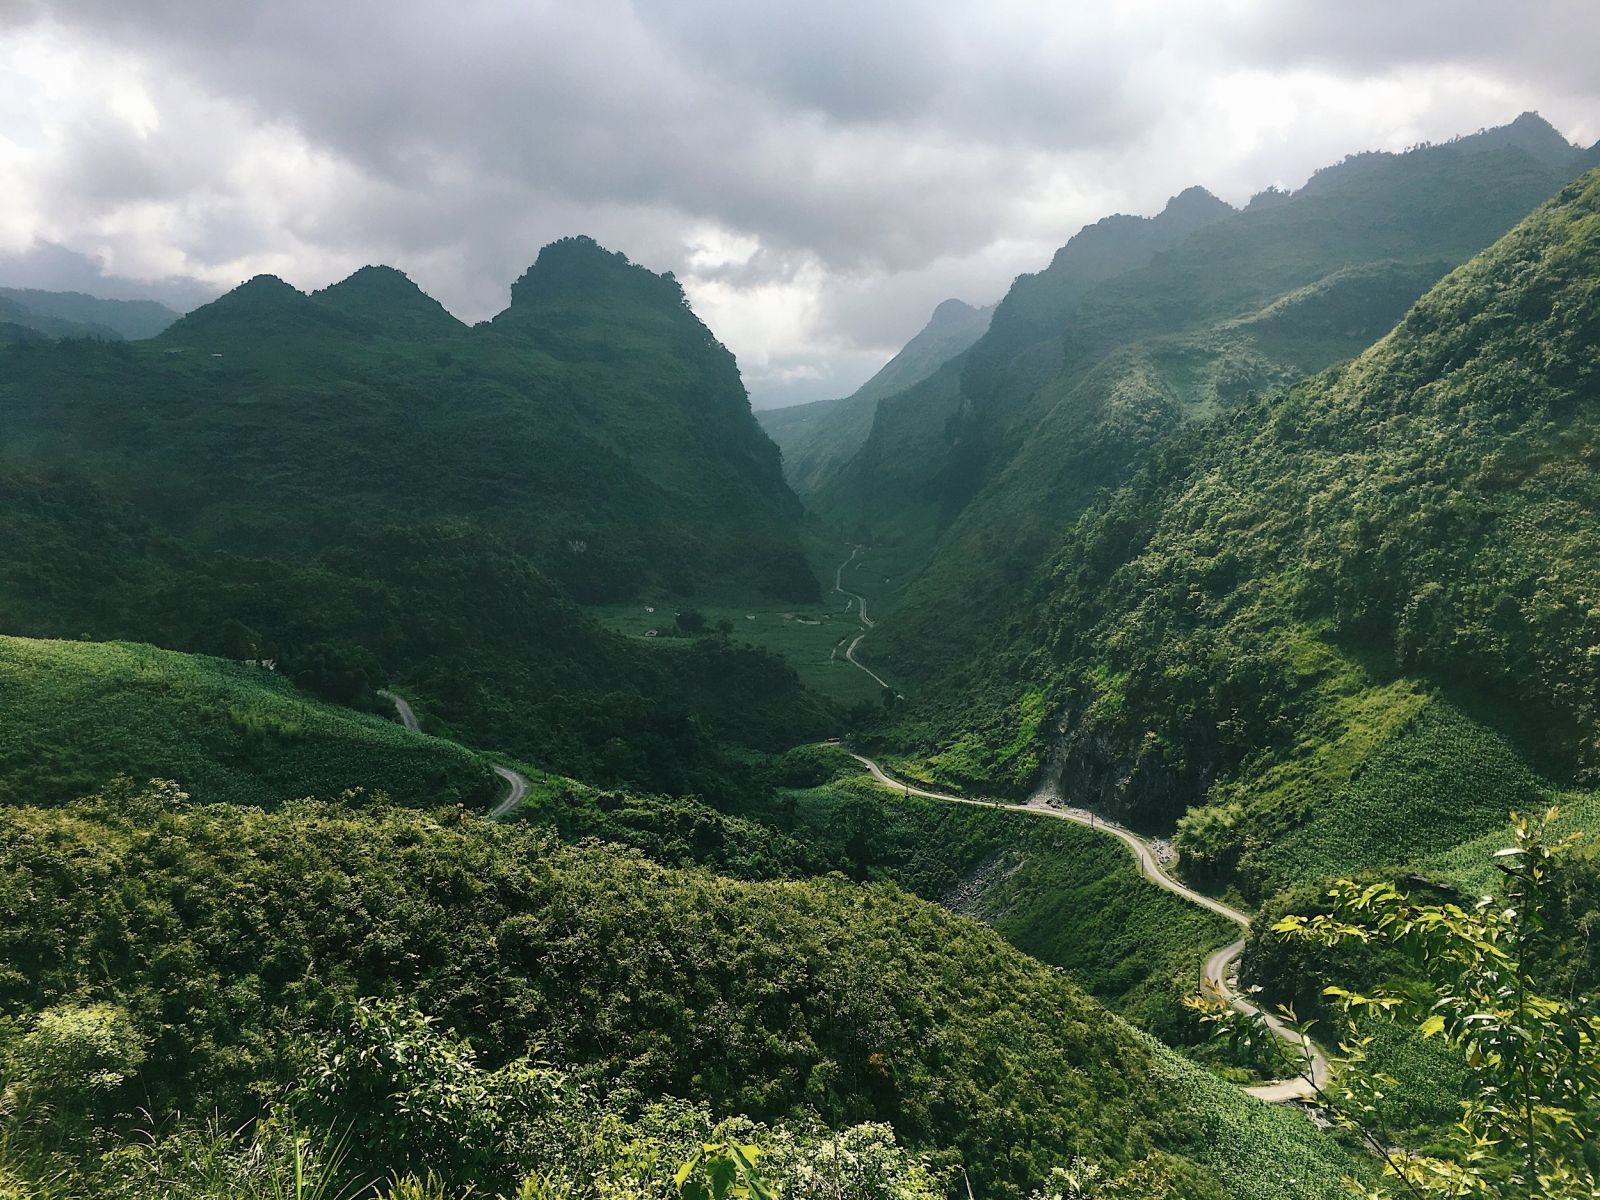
{"x": 819, "y": 175}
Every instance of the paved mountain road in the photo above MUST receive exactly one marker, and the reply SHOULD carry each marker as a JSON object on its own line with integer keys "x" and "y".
{"x": 861, "y": 614}
{"x": 517, "y": 784}
{"x": 1218, "y": 967}
{"x": 516, "y": 791}
{"x": 861, "y": 601}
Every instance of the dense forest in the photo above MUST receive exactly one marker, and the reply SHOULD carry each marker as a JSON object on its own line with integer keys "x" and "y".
{"x": 1139, "y": 329}
{"x": 185, "y": 957}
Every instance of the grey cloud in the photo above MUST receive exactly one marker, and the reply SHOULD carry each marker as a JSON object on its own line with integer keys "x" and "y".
{"x": 897, "y": 151}
{"x": 1556, "y": 40}
{"x": 56, "y": 268}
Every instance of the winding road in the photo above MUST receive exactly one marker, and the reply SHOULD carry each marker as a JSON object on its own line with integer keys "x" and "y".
{"x": 861, "y": 614}
{"x": 1219, "y": 967}
{"x": 1217, "y": 973}
{"x": 517, "y": 784}
{"x": 861, "y": 601}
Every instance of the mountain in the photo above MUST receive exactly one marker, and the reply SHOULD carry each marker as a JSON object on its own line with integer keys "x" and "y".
{"x": 906, "y": 482}
{"x": 355, "y": 477}
{"x": 1077, "y": 380}
{"x": 596, "y": 423}
{"x": 953, "y": 327}
{"x": 30, "y": 324}
{"x": 1350, "y": 625}
{"x": 130, "y": 319}
{"x": 818, "y": 438}
{"x": 386, "y": 299}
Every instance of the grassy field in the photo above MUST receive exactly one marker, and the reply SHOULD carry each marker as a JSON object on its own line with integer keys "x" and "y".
{"x": 810, "y": 638}
{"x": 75, "y": 714}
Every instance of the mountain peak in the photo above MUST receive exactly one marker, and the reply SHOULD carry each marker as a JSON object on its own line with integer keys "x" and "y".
{"x": 951, "y": 311}
{"x": 263, "y": 304}
{"x": 387, "y": 300}
{"x": 578, "y": 275}
{"x": 1194, "y": 206}
{"x": 1531, "y": 134}
{"x": 1531, "y": 121}
{"x": 262, "y": 289}
{"x": 580, "y": 266}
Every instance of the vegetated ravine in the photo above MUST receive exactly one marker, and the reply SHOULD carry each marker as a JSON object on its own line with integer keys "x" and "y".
{"x": 1219, "y": 966}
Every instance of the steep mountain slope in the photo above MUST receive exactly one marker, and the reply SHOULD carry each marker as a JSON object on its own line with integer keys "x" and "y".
{"x": 596, "y": 424}
{"x": 818, "y": 438}
{"x": 1364, "y": 605}
{"x": 910, "y": 478}
{"x": 68, "y": 312}
{"x": 1063, "y": 397}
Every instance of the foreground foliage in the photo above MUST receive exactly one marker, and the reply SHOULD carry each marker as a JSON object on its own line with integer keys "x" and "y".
{"x": 1503, "y": 983}
{"x": 228, "y": 935}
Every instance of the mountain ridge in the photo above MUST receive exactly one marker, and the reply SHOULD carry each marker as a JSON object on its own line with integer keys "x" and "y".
{"x": 1103, "y": 371}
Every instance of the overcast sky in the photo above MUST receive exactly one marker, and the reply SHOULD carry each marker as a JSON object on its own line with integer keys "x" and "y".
{"x": 818, "y": 174}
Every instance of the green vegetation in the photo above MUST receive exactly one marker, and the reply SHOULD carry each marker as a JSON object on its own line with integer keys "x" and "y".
{"x": 1065, "y": 895}
{"x": 1502, "y": 985}
{"x": 1355, "y": 609}
{"x": 224, "y": 937}
{"x": 73, "y": 714}
{"x": 1137, "y": 331}
{"x": 487, "y": 647}
{"x": 595, "y": 425}
{"x": 809, "y": 638}
{"x": 420, "y": 1115}
{"x": 1423, "y": 515}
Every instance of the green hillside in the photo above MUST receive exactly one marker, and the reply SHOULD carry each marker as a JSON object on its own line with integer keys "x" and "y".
{"x": 1358, "y": 610}
{"x": 1065, "y": 895}
{"x": 74, "y": 714}
{"x": 1074, "y": 385}
{"x": 595, "y": 424}
{"x": 488, "y": 647}
{"x": 818, "y": 439}
{"x": 767, "y": 999}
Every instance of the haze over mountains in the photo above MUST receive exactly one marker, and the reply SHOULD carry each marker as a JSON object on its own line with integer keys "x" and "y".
{"x": 25, "y": 311}
{"x": 817, "y": 439}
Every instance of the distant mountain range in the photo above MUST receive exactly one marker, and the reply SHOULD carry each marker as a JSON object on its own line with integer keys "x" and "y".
{"x": 25, "y": 311}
